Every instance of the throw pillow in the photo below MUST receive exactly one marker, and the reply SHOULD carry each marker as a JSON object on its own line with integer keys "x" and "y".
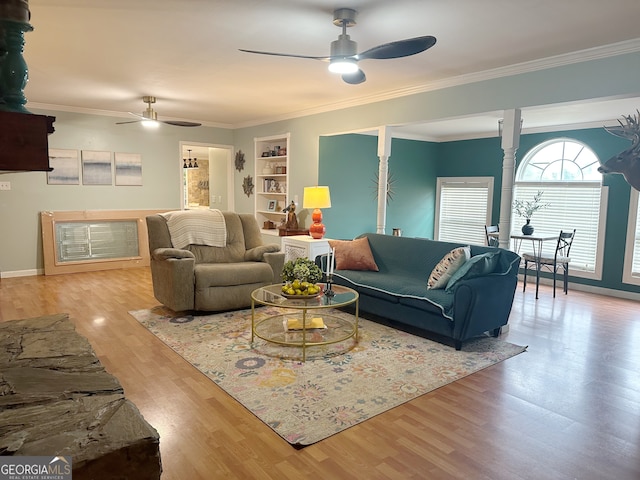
{"x": 353, "y": 255}
{"x": 446, "y": 267}
{"x": 476, "y": 266}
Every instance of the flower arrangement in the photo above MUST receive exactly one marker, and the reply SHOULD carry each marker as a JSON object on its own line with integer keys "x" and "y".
{"x": 526, "y": 208}
{"x": 301, "y": 269}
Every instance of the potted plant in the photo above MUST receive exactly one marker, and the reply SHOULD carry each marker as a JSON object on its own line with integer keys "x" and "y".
{"x": 526, "y": 209}
{"x": 300, "y": 276}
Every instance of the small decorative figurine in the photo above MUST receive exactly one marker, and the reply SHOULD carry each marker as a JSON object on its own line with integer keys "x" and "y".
{"x": 292, "y": 219}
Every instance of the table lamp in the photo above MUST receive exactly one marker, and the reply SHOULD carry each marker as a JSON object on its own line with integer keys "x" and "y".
{"x": 316, "y": 198}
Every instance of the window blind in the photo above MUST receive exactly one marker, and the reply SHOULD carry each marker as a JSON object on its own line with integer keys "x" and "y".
{"x": 572, "y": 206}
{"x": 635, "y": 264}
{"x": 463, "y": 208}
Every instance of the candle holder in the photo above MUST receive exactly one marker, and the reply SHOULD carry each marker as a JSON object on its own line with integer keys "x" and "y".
{"x": 328, "y": 292}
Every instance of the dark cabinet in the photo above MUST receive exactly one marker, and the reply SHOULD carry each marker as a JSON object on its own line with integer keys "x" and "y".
{"x": 24, "y": 143}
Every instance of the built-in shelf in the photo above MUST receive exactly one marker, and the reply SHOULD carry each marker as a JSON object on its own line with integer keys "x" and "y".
{"x": 272, "y": 156}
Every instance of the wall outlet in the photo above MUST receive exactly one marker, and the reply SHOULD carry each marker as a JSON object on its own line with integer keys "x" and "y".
{"x": 5, "y": 185}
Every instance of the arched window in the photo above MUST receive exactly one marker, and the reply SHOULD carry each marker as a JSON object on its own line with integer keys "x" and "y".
{"x": 566, "y": 172}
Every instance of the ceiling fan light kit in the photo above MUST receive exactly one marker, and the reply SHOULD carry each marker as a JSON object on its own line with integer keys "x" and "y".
{"x": 149, "y": 117}
{"x": 344, "y": 55}
{"x": 343, "y": 65}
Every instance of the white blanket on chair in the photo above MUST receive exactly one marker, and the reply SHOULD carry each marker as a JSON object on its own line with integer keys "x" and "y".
{"x": 197, "y": 227}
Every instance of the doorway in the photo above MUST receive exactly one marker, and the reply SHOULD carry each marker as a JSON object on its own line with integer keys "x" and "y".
{"x": 206, "y": 176}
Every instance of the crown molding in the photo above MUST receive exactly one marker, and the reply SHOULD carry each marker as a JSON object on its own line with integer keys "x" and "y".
{"x": 615, "y": 49}
{"x": 590, "y": 54}
{"x": 111, "y": 113}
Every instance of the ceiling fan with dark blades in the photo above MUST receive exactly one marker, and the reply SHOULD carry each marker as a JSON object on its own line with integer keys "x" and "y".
{"x": 344, "y": 57}
{"x": 150, "y": 117}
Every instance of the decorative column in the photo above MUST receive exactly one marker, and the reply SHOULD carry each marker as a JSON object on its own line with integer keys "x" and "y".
{"x": 510, "y": 143}
{"x": 384, "y": 152}
{"x": 14, "y": 21}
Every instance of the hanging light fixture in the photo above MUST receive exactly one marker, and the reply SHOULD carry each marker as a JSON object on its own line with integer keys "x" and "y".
{"x": 190, "y": 163}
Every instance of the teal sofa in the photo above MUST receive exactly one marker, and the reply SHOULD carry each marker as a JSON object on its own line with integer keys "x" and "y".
{"x": 478, "y": 302}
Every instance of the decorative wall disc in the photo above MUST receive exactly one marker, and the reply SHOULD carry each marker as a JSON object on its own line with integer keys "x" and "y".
{"x": 239, "y": 160}
{"x": 247, "y": 185}
{"x": 390, "y": 184}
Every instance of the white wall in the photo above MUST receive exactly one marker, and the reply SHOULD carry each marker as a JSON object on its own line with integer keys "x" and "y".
{"x": 20, "y": 237}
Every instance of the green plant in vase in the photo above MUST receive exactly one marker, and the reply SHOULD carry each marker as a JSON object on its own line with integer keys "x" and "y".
{"x": 526, "y": 209}
{"x": 300, "y": 276}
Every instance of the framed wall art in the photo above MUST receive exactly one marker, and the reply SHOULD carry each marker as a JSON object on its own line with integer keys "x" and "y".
{"x": 128, "y": 168}
{"x": 66, "y": 167}
{"x": 96, "y": 168}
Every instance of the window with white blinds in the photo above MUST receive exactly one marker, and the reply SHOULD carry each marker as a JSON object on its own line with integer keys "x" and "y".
{"x": 462, "y": 209}
{"x": 631, "y": 270}
{"x": 565, "y": 170}
{"x": 571, "y": 206}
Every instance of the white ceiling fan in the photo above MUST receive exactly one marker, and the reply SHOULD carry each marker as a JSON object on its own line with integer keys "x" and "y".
{"x": 150, "y": 118}
{"x": 344, "y": 57}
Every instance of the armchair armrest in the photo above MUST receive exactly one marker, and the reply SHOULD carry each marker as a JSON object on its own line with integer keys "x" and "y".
{"x": 276, "y": 261}
{"x": 167, "y": 253}
{"x": 172, "y": 276}
{"x": 256, "y": 254}
{"x": 270, "y": 254}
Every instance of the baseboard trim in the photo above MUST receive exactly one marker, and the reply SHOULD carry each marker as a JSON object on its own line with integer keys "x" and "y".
{"x": 22, "y": 273}
{"x": 607, "y": 292}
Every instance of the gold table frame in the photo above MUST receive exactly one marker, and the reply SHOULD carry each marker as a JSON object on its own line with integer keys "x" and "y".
{"x": 271, "y": 296}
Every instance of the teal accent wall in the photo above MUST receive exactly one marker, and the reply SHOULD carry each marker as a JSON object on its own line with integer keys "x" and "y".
{"x": 348, "y": 164}
{"x": 474, "y": 158}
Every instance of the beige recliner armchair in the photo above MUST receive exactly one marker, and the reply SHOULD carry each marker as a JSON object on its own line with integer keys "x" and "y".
{"x": 209, "y": 260}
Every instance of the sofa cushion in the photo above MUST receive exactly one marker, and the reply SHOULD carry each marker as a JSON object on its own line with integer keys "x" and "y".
{"x": 369, "y": 283}
{"x": 353, "y": 255}
{"x": 476, "y": 266}
{"x": 397, "y": 289}
{"x": 434, "y": 301}
{"x": 446, "y": 267}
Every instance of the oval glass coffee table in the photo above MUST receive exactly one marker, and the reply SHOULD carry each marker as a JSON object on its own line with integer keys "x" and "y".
{"x": 304, "y": 322}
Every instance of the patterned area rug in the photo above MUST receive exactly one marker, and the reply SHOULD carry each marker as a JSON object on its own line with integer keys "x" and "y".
{"x": 338, "y": 386}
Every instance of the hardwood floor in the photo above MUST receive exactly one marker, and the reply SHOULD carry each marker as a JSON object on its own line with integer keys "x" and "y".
{"x": 568, "y": 408}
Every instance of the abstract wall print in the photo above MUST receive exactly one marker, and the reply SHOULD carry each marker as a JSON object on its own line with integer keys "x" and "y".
{"x": 66, "y": 167}
{"x": 96, "y": 168}
{"x": 128, "y": 168}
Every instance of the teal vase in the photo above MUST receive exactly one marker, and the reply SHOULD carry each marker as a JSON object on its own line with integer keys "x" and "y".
{"x": 527, "y": 228}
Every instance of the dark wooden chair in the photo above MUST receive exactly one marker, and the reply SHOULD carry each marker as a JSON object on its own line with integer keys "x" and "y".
{"x": 492, "y": 241}
{"x": 560, "y": 260}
